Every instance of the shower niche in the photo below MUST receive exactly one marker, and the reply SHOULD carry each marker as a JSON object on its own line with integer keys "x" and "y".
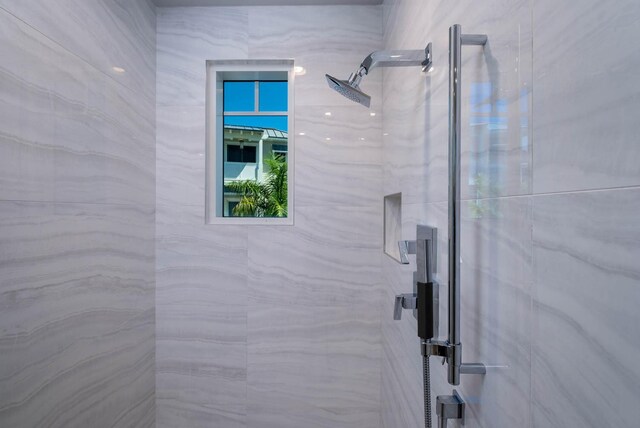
{"x": 392, "y": 225}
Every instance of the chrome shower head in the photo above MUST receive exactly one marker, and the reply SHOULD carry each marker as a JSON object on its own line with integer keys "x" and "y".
{"x": 395, "y": 58}
{"x": 349, "y": 90}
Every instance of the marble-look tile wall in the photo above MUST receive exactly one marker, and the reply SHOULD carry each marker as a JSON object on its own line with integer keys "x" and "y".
{"x": 77, "y": 214}
{"x": 550, "y": 281}
{"x": 270, "y": 326}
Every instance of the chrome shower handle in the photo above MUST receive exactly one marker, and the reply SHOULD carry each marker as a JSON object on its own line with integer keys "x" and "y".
{"x": 404, "y": 301}
{"x": 406, "y": 248}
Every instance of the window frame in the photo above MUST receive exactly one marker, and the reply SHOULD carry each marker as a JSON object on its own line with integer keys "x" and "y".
{"x": 219, "y": 71}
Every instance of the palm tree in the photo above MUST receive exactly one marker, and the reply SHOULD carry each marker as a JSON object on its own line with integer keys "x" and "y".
{"x": 263, "y": 199}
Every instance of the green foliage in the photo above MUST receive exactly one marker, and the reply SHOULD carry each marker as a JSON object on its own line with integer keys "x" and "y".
{"x": 263, "y": 199}
{"x": 482, "y": 206}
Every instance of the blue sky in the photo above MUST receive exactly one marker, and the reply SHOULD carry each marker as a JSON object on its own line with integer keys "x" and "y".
{"x": 240, "y": 96}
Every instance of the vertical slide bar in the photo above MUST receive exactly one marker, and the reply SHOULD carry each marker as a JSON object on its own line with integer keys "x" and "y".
{"x": 455, "y": 75}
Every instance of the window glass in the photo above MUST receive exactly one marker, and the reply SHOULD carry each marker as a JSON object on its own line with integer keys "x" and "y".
{"x": 231, "y": 206}
{"x": 249, "y": 154}
{"x": 279, "y": 151}
{"x": 273, "y": 96}
{"x": 239, "y": 96}
{"x": 255, "y": 140}
{"x": 236, "y": 153}
{"x": 281, "y": 156}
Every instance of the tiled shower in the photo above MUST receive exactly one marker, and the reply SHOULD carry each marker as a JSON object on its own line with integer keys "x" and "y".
{"x": 121, "y": 307}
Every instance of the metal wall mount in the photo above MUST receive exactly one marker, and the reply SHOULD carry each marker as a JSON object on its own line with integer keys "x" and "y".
{"x": 449, "y": 407}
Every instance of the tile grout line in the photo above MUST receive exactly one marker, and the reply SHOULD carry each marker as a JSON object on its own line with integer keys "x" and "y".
{"x": 49, "y": 202}
{"x": 534, "y": 195}
{"x": 531, "y": 177}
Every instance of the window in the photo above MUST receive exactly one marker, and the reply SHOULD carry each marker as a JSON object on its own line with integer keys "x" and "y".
{"x": 231, "y": 206}
{"x": 249, "y": 156}
{"x": 279, "y": 152}
{"x": 241, "y": 153}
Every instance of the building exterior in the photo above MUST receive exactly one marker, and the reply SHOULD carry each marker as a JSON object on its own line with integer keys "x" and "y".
{"x": 245, "y": 149}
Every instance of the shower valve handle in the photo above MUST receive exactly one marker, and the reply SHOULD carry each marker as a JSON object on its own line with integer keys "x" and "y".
{"x": 404, "y": 301}
{"x": 406, "y": 248}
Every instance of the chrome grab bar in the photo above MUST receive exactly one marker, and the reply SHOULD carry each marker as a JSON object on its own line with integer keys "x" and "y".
{"x": 456, "y": 40}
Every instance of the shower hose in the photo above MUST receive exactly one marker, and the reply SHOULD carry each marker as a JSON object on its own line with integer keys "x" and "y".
{"x": 427, "y": 391}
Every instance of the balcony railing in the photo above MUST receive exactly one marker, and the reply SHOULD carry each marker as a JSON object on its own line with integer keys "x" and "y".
{"x": 240, "y": 171}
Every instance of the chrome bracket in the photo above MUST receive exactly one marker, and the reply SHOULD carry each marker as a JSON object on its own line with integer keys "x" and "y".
{"x": 449, "y": 407}
{"x": 428, "y": 58}
{"x": 436, "y": 348}
{"x": 473, "y": 368}
{"x": 452, "y": 354}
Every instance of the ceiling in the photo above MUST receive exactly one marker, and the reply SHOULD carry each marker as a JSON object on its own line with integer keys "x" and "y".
{"x": 179, "y": 3}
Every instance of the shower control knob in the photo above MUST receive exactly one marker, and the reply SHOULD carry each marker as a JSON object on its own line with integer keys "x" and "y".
{"x": 404, "y": 301}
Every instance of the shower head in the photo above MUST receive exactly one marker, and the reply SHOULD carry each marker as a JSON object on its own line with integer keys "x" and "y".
{"x": 398, "y": 58}
{"x": 349, "y": 90}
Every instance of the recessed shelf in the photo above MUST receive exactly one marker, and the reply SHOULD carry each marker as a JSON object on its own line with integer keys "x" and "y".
{"x": 392, "y": 224}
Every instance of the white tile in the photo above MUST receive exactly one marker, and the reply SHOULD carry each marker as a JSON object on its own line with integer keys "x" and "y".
{"x": 586, "y": 343}
{"x": 586, "y": 110}
{"x": 104, "y": 33}
{"x": 344, "y": 170}
{"x": 180, "y": 156}
{"x": 496, "y": 82}
{"x": 187, "y": 38}
{"x": 314, "y": 367}
{"x": 201, "y": 318}
{"x": 77, "y": 282}
{"x": 323, "y": 40}
{"x": 329, "y": 258}
{"x": 77, "y": 299}
{"x": 70, "y": 134}
{"x": 496, "y": 281}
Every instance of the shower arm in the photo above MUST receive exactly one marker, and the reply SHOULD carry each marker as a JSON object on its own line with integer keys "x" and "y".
{"x": 451, "y": 349}
{"x": 393, "y": 58}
